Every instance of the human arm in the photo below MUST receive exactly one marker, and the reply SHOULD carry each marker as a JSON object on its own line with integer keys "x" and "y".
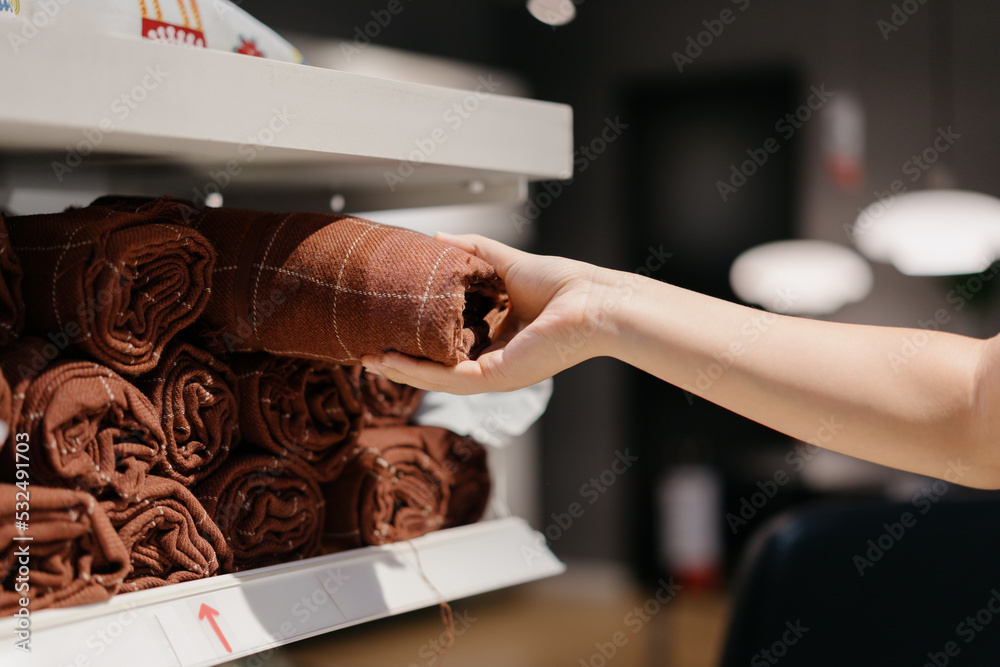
{"x": 931, "y": 412}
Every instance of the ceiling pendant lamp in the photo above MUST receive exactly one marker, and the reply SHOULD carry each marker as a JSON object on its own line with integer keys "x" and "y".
{"x": 552, "y": 12}
{"x": 804, "y": 277}
{"x": 938, "y": 231}
{"x": 932, "y": 232}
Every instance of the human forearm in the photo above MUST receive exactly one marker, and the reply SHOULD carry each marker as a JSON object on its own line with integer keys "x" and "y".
{"x": 854, "y": 389}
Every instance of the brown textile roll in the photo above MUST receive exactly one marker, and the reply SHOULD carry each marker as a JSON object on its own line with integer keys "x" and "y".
{"x": 402, "y": 482}
{"x": 11, "y": 298}
{"x": 169, "y": 536}
{"x": 75, "y": 555}
{"x": 89, "y": 427}
{"x": 117, "y": 284}
{"x": 195, "y": 394}
{"x": 6, "y": 404}
{"x": 387, "y": 403}
{"x": 471, "y": 485}
{"x": 300, "y": 409}
{"x": 269, "y": 509}
{"x": 336, "y": 288}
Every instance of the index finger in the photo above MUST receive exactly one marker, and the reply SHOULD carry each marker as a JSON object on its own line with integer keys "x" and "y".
{"x": 500, "y": 256}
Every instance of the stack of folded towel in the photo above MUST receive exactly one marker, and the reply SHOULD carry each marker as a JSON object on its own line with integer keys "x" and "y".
{"x": 188, "y": 385}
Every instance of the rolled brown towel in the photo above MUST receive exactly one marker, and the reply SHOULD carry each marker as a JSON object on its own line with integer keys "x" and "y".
{"x": 11, "y": 297}
{"x": 89, "y": 427}
{"x": 398, "y": 483}
{"x": 195, "y": 394}
{"x": 299, "y": 409}
{"x": 6, "y": 404}
{"x": 117, "y": 284}
{"x": 336, "y": 288}
{"x": 169, "y": 536}
{"x": 269, "y": 509}
{"x": 76, "y": 556}
{"x": 471, "y": 484}
{"x": 387, "y": 403}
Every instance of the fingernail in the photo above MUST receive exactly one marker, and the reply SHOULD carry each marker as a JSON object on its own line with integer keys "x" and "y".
{"x": 444, "y": 236}
{"x": 386, "y": 361}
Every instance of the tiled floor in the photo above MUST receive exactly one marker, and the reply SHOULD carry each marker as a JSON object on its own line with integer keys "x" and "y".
{"x": 590, "y": 617}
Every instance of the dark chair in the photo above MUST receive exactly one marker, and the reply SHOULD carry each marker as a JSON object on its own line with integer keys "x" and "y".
{"x": 915, "y": 583}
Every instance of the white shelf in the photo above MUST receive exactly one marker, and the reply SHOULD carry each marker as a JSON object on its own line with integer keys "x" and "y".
{"x": 346, "y": 131}
{"x": 264, "y": 608}
{"x": 339, "y": 132}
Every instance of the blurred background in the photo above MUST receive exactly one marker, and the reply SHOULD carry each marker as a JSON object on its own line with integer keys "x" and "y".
{"x": 703, "y": 130}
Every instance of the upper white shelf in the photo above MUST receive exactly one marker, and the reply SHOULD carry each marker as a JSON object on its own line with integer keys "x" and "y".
{"x": 129, "y": 107}
{"x": 211, "y": 621}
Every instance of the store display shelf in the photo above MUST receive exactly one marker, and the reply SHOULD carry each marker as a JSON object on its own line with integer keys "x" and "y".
{"x": 86, "y": 114}
{"x": 215, "y": 620}
{"x": 85, "y": 110}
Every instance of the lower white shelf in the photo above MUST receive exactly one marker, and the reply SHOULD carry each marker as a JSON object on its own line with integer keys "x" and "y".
{"x": 215, "y": 620}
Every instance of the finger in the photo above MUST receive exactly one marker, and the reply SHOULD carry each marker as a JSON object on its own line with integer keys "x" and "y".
{"x": 462, "y": 242}
{"x": 425, "y": 374}
{"x": 500, "y": 256}
{"x": 526, "y": 359}
{"x": 465, "y": 378}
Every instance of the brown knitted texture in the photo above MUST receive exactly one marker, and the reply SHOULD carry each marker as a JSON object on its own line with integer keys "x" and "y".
{"x": 6, "y": 403}
{"x": 269, "y": 509}
{"x": 169, "y": 536}
{"x": 75, "y": 555}
{"x": 470, "y": 490}
{"x": 299, "y": 409}
{"x": 195, "y": 394}
{"x": 336, "y": 288}
{"x": 11, "y": 297}
{"x": 89, "y": 427}
{"x": 398, "y": 483}
{"x": 387, "y": 403}
{"x": 116, "y": 284}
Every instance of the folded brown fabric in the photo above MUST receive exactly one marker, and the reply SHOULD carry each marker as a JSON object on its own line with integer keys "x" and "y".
{"x": 195, "y": 394}
{"x": 398, "y": 483}
{"x": 75, "y": 556}
{"x": 470, "y": 490}
{"x": 6, "y": 404}
{"x": 169, "y": 536}
{"x": 11, "y": 298}
{"x": 387, "y": 403}
{"x": 336, "y": 288}
{"x": 116, "y": 284}
{"x": 89, "y": 427}
{"x": 299, "y": 409}
{"x": 269, "y": 509}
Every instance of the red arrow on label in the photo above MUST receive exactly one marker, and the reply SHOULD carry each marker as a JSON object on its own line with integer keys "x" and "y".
{"x": 210, "y": 614}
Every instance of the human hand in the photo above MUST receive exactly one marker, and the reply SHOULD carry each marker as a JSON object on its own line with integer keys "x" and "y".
{"x": 549, "y": 328}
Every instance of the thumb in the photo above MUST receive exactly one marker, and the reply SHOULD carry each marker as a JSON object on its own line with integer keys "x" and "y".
{"x": 498, "y": 255}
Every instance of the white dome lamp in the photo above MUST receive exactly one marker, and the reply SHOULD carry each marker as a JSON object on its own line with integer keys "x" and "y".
{"x": 939, "y": 231}
{"x": 932, "y": 232}
{"x": 552, "y": 12}
{"x": 802, "y": 277}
